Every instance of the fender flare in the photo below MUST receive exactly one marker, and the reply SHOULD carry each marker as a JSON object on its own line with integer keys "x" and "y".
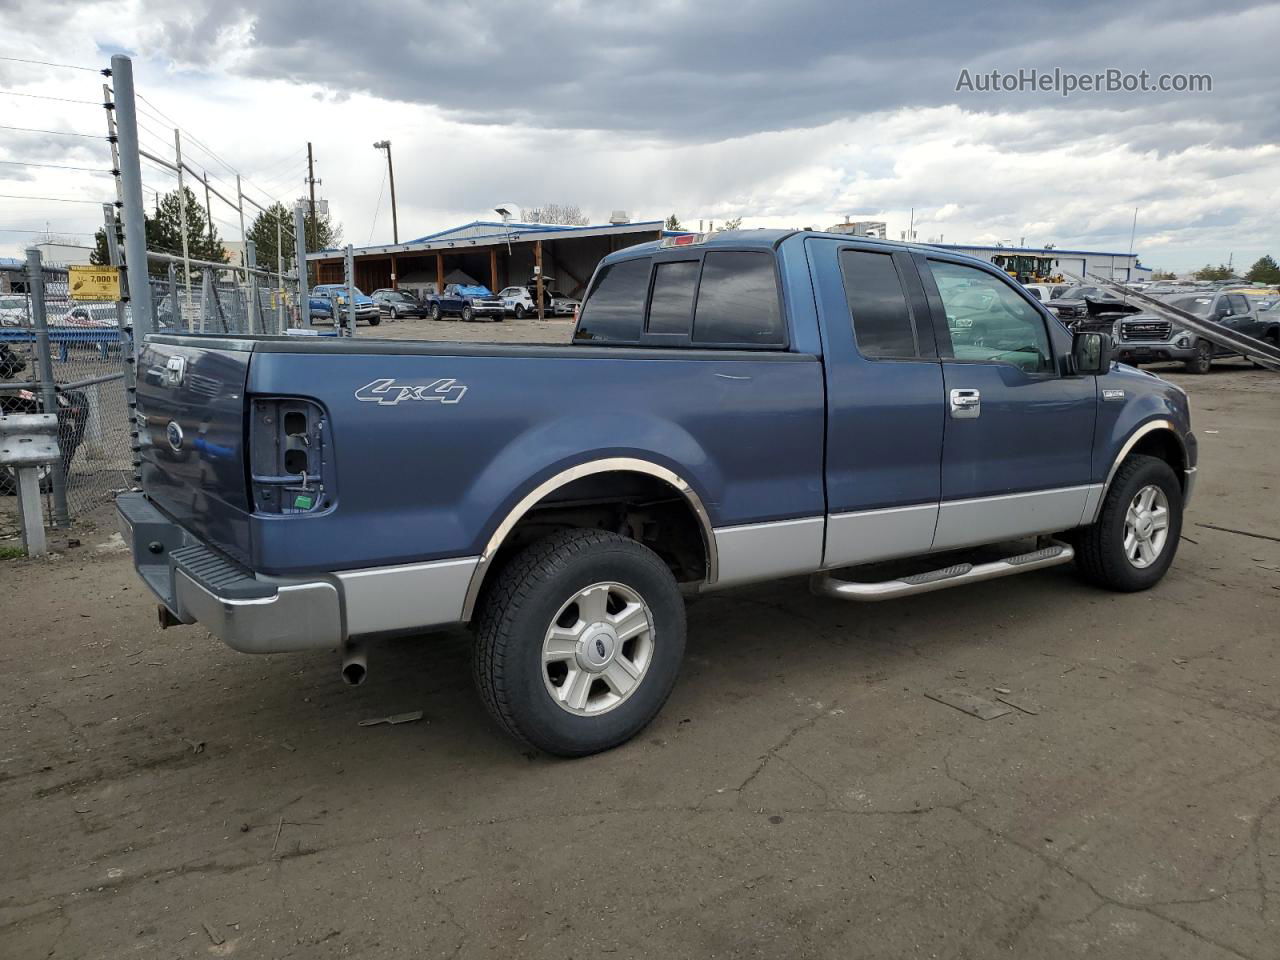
{"x": 587, "y": 469}
{"x": 1093, "y": 511}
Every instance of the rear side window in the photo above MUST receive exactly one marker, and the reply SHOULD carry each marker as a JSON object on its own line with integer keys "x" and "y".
{"x": 671, "y": 306}
{"x": 614, "y": 309}
{"x": 882, "y": 322}
{"x": 738, "y": 300}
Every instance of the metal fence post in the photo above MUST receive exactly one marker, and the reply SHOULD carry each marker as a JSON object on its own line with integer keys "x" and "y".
{"x": 351, "y": 290}
{"x": 300, "y": 264}
{"x": 254, "y": 320}
{"x": 126, "y": 347}
{"x": 48, "y": 388}
{"x": 135, "y": 230}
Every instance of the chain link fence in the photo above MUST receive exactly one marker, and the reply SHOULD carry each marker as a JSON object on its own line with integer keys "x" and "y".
{"x": 220, "y": 299}
{"x": 86, "y": 358}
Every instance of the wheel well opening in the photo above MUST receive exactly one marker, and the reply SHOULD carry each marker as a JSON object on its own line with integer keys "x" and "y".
{"x": 1163, "y": 445}
{"x": 646, "y": 509}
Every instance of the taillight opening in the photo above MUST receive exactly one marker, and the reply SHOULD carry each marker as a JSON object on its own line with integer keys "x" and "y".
{"x": 290, "y": 469}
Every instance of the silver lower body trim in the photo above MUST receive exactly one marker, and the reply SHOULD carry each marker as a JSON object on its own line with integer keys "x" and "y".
{"x": 868, "y": 536}
{"x": 406, "y": 597}
{"x": 762, "y": 551}
{"x": 1188, "y": 484}
{"x": 971, "y": 523}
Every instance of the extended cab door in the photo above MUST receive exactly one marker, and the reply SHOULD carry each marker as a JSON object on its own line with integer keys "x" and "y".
{"x": 1017, "y": 452}
{"x": 884, "y": 402}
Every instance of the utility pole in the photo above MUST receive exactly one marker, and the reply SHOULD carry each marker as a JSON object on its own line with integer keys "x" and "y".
{"x": 311, "y": 183}
{"x": 395, "y": 225}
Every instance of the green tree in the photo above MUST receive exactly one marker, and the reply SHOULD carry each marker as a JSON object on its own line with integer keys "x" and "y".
{"x": 1220, "y": 272}
{"x": 1265, "y": 270}
{"x": 322, "y": 234}
{"x": 673, "y": 223}
{"x": 164, "y": 233}
{"x": 1163, "y": 275}
{"x": 733, "y": 224}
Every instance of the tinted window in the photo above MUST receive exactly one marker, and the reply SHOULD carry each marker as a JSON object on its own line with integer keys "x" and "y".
{"x": 615, "y": 306}
{"x": 881, "y": 318}
{"x": 672, "y": 302}
{"x": 738, "y": 300}
{"x": 988, "y": 320}
{"x": 1239, "y": 305}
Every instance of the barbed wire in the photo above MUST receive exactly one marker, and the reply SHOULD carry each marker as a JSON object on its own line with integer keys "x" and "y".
{"x": 59, "y": 133}
{"x": 15, "y": 196}
{"x": 45, "y": 96}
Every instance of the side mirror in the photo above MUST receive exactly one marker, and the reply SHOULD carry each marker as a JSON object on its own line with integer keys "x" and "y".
{"x": 1091, "y": 353}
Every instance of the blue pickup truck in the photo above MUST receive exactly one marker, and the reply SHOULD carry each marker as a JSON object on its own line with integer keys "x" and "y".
{"x": 327, "y": 296}
{"x": 468, "y": 301}
{"x": 732, "y": 408}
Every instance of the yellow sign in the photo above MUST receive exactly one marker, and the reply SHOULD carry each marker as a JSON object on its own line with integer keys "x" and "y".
{"x": 93, "y": 283}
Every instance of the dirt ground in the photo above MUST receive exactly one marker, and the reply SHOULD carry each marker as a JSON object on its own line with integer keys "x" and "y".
{"x": 800, "y": 796}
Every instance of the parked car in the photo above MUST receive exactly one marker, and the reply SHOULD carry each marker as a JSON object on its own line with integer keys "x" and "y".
{"x": 325, "y": 296}
{"x": 523, "y": 300}
{"x": 398, "y": 303}
{"x": 88, "y": 315}
{"x": 1070, "y": 303}
{"x": 468, "y": 301}
{"x": 1144, "y": 338}
{"x": 731, "y": 409}
{"x": 1046, "y": 291}
{"x": 13, "y": 310}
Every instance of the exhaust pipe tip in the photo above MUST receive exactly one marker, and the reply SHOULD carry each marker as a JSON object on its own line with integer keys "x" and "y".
{"x": 355, "y": 665}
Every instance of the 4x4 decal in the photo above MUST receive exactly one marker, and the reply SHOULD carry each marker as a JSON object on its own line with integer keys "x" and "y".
{"x": 388, "y": 392}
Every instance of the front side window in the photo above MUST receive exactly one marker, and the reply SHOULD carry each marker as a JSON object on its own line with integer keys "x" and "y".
{"x": 988, "y": 321}
{"x": 738, "y": 300}
{"x": 614, "y": 308}
{"x": 882, "y": 323}
{"x": 1239, "y": 305}
{"x": 671, "y": 307}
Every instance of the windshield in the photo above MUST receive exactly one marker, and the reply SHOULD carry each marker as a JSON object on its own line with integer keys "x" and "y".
{"x": 1076, "y": 293}
{"x": 1200, "y": 306}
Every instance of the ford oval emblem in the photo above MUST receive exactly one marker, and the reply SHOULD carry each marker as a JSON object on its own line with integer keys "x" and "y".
{"x": 174, "y": 433}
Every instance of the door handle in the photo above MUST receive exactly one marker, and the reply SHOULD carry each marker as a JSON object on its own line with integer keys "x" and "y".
{"x": 965, "y": 404}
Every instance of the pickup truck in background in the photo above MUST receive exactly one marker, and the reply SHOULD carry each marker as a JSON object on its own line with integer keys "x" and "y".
{"x": 733, "y": 408}
{"x": 468, "y": 301}
{"x": 327, "y": 296}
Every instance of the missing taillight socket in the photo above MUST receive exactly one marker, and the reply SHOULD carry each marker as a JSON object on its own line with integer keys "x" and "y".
{"x": 295, "y": 423}
{"x": 295, "y": 461}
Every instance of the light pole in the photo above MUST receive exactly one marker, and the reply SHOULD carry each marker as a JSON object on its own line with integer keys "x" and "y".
{"x": 395, "y": 226}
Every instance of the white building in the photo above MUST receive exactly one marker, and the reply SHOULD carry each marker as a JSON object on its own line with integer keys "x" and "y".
{"x": 1078, "y": 263}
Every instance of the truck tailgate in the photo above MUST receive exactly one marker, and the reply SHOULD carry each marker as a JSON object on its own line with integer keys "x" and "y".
{"x": 191, "y": 424}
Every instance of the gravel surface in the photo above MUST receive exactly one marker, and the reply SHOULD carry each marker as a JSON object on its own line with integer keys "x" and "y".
{"x": 800, "y": 795}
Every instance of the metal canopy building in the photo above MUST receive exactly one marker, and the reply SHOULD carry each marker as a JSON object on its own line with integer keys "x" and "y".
{"x": 495, "y": 253}
{"x": 1109, "y": 266}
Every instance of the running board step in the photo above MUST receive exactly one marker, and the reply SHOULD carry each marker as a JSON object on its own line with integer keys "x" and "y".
{"x": 825, "y": 585}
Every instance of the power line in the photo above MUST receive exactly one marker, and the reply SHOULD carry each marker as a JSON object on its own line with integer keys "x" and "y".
{"x": 58, "y": 133}
{"x": 67, "y": 66}
{"x": 57, "y": 166}
{"x": 14, "y": 196}
{"x": 44, "y": 96}
{"x": 46, "y": 230}
{"x": 377, "y": 207}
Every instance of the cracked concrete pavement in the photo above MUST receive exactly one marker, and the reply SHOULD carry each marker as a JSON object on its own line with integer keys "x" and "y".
{"x": 798, "y": 797}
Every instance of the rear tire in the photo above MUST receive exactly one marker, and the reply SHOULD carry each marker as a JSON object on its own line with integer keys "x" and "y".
{"x": 1111, "y": 552}
{"x": 579, "y": 642}
{"x": 1272, "y": 338}
{"x": 519, "y": 311}
{"x": 1203, "y": 359}
{"x": 435, "y": 311}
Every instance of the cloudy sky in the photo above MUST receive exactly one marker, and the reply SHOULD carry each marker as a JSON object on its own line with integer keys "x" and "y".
{"x": 786, "y": 114}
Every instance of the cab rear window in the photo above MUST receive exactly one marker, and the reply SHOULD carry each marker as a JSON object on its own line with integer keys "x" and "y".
{"x": 725, "y": 298}
{"x": 614, "y": 309}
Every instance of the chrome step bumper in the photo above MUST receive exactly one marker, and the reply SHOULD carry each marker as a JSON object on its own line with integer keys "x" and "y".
{"x": 826, "y": 585}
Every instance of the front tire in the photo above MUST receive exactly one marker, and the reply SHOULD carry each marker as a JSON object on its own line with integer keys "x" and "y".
{"x": 435, "y": 311}
{"x": 395, "y": 314}
{"x": 1203, "y": 359}
{"x": 468, "y": 314}
{"x": 519, "y": 311}
{"x": 579, "y": 642}
{"x": 1136, "y": 537}
{"x": 374, "y": 321}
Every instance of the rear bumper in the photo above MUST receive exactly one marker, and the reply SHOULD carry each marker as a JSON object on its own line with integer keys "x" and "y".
{"x": 256, "y": 613}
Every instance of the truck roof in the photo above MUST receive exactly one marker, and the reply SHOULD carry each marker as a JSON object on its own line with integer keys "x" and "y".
{"x": 769, "y": 239}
